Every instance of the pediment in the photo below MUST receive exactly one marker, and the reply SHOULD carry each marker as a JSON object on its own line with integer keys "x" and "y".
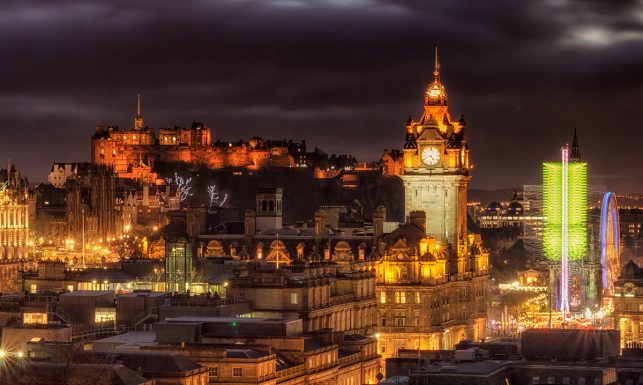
{"x": 430, "y": 134}
{"x": 400, "y": 245}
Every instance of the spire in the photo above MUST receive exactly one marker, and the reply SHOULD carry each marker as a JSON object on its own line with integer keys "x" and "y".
{"x": 435, "y": 94}
{"x": 138, "y": 119}
{"x": 575, "y": 156}
{"x": 436, "y": 70}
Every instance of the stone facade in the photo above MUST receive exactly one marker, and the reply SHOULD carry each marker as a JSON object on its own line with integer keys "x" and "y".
{"x": 422, "y": 301}
{"x": 628, "y": 305}
{"x": 17, "y": 211}
{"x": 90, "y": 198}
{"x": 323, "y": 296}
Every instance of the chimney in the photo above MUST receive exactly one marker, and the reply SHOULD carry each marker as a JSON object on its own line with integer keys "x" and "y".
{"x": 249, "y": 223}
{"x": 379, "y": 217}
{"x": 418, "y": 218}
{"x": 319, "y": 224}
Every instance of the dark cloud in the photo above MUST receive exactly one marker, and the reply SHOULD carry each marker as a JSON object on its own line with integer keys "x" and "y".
{"x": 343, "y": 74}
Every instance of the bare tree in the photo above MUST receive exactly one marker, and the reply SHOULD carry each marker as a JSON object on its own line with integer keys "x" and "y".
{"x": 184, "y": 186}
{"x": 216, "y": 198}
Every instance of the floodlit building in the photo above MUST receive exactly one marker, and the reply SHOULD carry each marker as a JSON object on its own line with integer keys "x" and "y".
{"x": 628, "y": 306}
{"x": 17, "y": 211}
{"x": 432, "y": 274}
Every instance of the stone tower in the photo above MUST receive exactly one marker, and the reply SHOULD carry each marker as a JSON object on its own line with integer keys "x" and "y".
{"x": 436, "y": 168}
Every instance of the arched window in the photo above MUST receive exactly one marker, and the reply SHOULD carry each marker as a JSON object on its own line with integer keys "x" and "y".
{"x": 272, "y": 205}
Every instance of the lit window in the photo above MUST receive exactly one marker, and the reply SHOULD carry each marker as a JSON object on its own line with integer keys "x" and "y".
{"x": 34, "y": 318}
{"x": 33, "y": 288}
{"x": 400, "y": 318}
{"x": 105, "y": 314}
{"x": 237, "y": 372}
{"x": 294, "y": 298}
{"x": 400, "y": 297}
{"x": 383, "y": 297}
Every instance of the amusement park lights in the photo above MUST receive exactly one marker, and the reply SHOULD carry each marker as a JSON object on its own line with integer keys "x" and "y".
{"x": 565, "y": 212}
{"x": 610, "y": 238}
{"x": 576, "y": 202}
{"x": 564, "y": 271}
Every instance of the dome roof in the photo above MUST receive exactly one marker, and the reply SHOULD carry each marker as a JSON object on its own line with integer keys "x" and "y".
{"x": 630, "y": 270}
{"x": 436, "y": 94}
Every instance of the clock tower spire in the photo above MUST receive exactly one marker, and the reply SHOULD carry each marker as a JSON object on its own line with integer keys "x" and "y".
{"x": 436, "y": 168}
{"x": 436, "y": 71}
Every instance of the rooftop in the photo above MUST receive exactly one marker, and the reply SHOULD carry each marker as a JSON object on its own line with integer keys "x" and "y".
{"x": 245, "y": 353}
{"x": 132, "y": 340}
{"x": 314, "y": 344}
{"x": 87, "y": 293}
{"x": 197, "y": 319}
{"x": 146, "y": 361}
{"x": 143, "y": 294}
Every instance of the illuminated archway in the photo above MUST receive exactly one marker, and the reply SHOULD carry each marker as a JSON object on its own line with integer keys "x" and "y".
{"x": 610, "y": 248}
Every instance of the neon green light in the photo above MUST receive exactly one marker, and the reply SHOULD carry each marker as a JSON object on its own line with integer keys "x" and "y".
{"x": 576, "y": 208}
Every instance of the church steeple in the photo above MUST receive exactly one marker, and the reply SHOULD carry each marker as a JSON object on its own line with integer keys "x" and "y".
{"x": 575, "y": 155}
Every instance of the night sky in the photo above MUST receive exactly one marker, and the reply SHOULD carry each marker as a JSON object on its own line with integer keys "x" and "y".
{"x": 342, "y": 74}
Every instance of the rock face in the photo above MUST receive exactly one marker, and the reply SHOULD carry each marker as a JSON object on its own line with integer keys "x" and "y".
{"x": 302, "y": 193}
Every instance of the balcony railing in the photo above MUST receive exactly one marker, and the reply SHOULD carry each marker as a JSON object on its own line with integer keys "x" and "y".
{"x": 350, "y": 359}
{"x": 289, "y": 373}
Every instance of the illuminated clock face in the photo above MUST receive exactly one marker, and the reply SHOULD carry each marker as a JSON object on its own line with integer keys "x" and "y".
{"x": 430, "y": 155}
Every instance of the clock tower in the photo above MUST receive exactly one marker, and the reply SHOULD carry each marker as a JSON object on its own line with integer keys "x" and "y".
{"x": 436, "y": 168}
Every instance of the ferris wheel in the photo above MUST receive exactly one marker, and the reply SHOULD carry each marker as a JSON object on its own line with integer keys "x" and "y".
{"x": 609, "y": 238}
